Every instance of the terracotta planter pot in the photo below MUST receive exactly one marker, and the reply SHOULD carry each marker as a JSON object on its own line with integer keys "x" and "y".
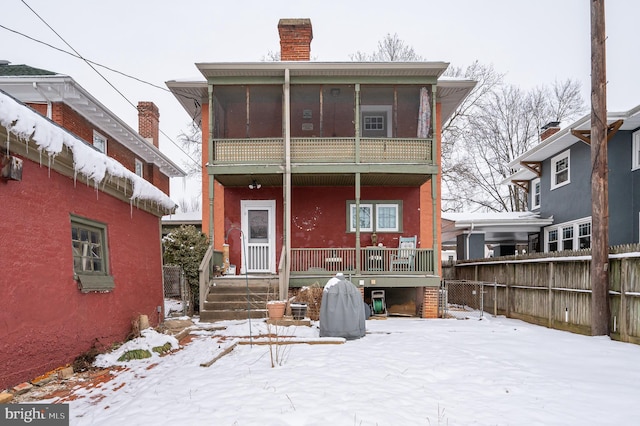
{"x": 276, "y": 309}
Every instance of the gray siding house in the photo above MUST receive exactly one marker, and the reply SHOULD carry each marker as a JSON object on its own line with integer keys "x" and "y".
{"x": 557, "y": 176}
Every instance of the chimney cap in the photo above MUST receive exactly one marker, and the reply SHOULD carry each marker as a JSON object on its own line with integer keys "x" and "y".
{"x": 551, "y": 125}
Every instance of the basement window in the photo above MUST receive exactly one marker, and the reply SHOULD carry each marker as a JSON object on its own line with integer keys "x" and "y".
{"x": 90, "y": 255}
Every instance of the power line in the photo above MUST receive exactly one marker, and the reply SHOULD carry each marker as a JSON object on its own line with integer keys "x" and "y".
{"x": 90, "y": 63}
{"x": 85, "y": 59}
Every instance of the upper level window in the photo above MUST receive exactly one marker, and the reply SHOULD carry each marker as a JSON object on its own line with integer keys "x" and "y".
{"x": 99, "y": 142}
{"x": 139, "y": 168}
{"x": 635, "y": 155}
{"x": 376, "y": 216}
{"x": 376, "y": 120}
{"x": 535, "y": 193}
{"x": 560, "y": 170}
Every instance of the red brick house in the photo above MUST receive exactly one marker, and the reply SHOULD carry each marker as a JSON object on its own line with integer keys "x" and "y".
{"x": 80, "y": 248}
{"x": 325, "y": 167}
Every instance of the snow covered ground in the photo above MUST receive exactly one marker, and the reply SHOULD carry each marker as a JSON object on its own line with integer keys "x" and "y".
{"x": 405, "y": 371}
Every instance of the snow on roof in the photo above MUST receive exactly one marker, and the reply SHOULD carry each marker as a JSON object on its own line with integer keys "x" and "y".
{"x": 183, "y": 217}
{"x": 50, "y": 138}
{"x": 491, "y": 216}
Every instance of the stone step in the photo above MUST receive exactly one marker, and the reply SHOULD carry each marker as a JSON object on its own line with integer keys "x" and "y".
{"x": 210, "y": 316}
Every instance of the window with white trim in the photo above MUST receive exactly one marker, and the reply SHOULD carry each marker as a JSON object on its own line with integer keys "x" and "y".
{"x": 567, "y": 238}
{"x": 535, "y": 193}
{"x": 139, "y": 168}
{"x": 99, "y": 142}
{"x": 552, "y": 240}
{"x": 366, "y": 222}
{"x": 376, "y": 216}
{"x": 635, "y": 155}
{"x": 560, "y": 170}
{"x": 584, "y": 235}
{"x": 386, "y": 217}
{"x": 574, "y": 235}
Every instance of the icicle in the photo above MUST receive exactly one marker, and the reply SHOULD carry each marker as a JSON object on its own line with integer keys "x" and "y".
{"x": 75, "y": 177}
{"x": 131, "y": 207}
{"x": 49, "y": 164}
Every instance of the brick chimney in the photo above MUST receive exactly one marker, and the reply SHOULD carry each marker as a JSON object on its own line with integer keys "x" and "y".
{"x": 149, "y": 122}
{"x": 549, "y": 130}
{"x": 295, "y": 39}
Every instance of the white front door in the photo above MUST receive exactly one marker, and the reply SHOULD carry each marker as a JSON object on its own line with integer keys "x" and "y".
{"x": 259, "y": 228}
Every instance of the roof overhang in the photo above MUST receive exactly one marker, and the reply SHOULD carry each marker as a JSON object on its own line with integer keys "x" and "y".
{"x": 563, "y": 139}
{"x": 192, "y": 94}
{"x": 501, "y": 227}
{"x": 61, "y": 88}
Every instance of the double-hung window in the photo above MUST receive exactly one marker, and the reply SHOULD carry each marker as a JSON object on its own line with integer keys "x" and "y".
{"x": 90, "y": 254}
{"x": 584, "y": 235}
{"x": 99, "y": 142}
{"x": 376, "y": 216}
{"x": 139, "y": 168}
{"x": 560, "y": 170}
{"x": 567, "y": 238}
{"x": 535, "y": 193}
{"x": 635, "y": 155}
{"x": 552, "y": 238}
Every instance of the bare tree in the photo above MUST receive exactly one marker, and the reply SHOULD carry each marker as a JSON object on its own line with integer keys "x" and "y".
{"x": 191, "y": 141}
{"x": 390, "y": 49}
{"x": 500, "y": 126}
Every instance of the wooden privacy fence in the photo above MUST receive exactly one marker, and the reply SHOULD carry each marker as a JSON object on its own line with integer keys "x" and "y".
{"x": 554, "y": 289}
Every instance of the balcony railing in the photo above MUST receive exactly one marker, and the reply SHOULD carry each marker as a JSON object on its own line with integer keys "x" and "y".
{"x": 337, "y": 150}
{"x": 373, "y": 260}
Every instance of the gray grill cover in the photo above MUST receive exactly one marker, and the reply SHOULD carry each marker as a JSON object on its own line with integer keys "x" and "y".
{"x": 342, "y": 310}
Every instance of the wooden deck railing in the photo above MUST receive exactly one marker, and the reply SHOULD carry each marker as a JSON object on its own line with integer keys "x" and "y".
{"x": 373, "y": 260}
{"x": 310, "y": 150}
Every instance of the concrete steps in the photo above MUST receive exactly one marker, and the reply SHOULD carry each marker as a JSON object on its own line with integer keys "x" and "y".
{"x": 227, "y": 297}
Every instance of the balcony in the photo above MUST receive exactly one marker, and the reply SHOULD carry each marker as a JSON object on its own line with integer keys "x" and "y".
{"x": 324, "y": 150}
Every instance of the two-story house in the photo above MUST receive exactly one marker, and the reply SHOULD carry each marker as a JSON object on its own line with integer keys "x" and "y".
{"x": 325, "y": 167}
{"x": 556, "y": 174}
{"x": 82, "y": 195}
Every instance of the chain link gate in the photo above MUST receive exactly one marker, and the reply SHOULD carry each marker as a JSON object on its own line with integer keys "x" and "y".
{"x": 464, "y": 299}
{"x": 176, "y": 289}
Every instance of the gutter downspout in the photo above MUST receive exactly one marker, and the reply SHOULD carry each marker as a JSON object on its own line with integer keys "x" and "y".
{"x": 49, "y": 111}
{"x": 468, "y": 238}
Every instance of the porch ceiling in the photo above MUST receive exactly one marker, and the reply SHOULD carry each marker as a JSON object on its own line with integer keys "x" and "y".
{"x": 382, "y": 179}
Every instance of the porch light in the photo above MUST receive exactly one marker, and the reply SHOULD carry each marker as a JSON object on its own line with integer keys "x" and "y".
{"x": 255, "y": 185}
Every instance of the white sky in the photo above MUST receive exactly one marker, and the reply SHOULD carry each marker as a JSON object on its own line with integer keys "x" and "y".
{"x": 533, "y": 42}
{"x": 405, "y": 371}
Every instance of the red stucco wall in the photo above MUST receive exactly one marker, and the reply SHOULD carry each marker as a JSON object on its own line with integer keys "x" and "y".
{"x": 318, "y": 216}
{"x": 45, "y": 321}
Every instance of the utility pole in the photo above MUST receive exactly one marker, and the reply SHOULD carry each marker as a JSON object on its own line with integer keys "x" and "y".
{"x": 599, "y": 176}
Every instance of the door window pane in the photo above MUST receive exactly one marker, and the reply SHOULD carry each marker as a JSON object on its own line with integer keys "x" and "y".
{"x": 258, "y": 226}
